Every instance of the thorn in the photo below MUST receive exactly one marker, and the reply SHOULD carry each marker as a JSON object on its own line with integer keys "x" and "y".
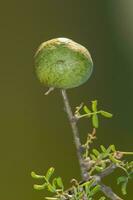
{"x": 49, "y": 90}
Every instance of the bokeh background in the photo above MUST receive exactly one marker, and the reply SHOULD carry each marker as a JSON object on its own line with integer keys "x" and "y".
{"x": 34, "y": 131}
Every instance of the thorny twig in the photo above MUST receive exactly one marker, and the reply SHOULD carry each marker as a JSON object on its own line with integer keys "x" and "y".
{"x": 85, "y": 176}
{"x": 76, "y": 137}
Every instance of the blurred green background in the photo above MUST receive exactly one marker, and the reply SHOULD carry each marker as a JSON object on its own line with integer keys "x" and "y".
{"x": 35, "y": 133}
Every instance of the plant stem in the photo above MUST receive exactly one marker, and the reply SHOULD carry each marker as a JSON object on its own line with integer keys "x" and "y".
{"x": 107, "y": 171}
{"x": 106, "y": 189}
{"x": 76, "y": 137}
{"x": 85, "y": 176}
{"x": 88, "y": 114}
{"x": 109, "y": 193}
{"x": 126, "y": 153}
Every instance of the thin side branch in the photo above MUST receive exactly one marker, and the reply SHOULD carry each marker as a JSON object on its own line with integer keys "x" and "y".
{"x": 106, "y": 189}
{"x": 107, "y": 171}
{"x": 76, "y": 137}
{"x": 109, "y": 193}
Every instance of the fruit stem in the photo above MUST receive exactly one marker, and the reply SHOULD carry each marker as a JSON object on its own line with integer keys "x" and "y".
{"x": 49, "y": 90}
{"x": 73, "y": 123}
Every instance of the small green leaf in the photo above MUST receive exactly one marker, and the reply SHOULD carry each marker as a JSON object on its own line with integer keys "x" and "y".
{"x": 80, "y": 195}
{"x": 109, "y": 149}
{"x": 87, "y": 189}
{"x": 49, "y": 173}
{"x": 35, "y": 176}
{"x": 95, "y": 120}
{"x": 40, "y": 187}
{"x": 96, "y": 152}
{"x": 51, "y": 188}
{"x": 124, "y": 188}
{"x": 51, "y": 198}
{"x": 93, "y": 157}
{"x": 106, "y": 114}
{"x": 99, "y": 169}
{"x": 54, "y": 182}
{"x": 60, "y": 183}
{"x": 103, "y": 149}
{"x": 113, "y": 147}
{"x": 88, "y": 183}
{"x": 121, "y": 179}
{"x": 86, "y": 109}
{"x": 114, "y": 160}
{"x": 102, "y": 198}
{"x": 94, "y": 106}
{"x": 95, "y": 190}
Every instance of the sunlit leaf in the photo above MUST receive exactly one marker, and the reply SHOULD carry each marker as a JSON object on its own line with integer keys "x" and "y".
{"x": 40, "y": 187}
{"x": 121, "y": 179}
{"x": 54, "y": 182}
{"x": 86, "y": 109}
{"x": 51, "y": 188}
{"x": 88, "y": 183}
{"x": 95, "y": 120}
{"x": 113, "y": 147}
{"x": 49, "y": 173}
{"x": 94, "y": 106}
{"x": 87, "y": 189}
{"x": 114, "y": 160}
{"x": 106, "y": 114}
{"x": 93, "y": 157}
{"x": 35, "y": 176}
{"x": 60, "y": 183}
{"x": 96, "y": 152}
{"x": 99, "y": 169}
{"x": 124, "y": 188}
{"x": 95, "y": 190}
{"x": 102, "y": 198}
{"x": 103, "y": 148}
{"x": 109, "y": 149}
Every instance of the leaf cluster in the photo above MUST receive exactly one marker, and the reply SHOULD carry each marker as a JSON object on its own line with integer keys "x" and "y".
{"x": 92, "y": 113}
{"x": 55, "y": 186}
{"x": 98, "y": 163}
{"x": 123, "y": 180}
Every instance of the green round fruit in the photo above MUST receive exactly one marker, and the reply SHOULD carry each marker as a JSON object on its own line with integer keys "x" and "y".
{"x": 63, "y": 63}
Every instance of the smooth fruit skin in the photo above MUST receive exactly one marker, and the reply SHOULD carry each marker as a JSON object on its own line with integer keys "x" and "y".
{"x": 63, "y": 63}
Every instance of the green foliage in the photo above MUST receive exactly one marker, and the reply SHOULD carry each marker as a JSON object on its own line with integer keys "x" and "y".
{"x": 102, "y": 198}
{"x": 91, "y": 113}
{"x": 54, "y": 186}
{"x": 101, "y": 161}
{"x": 98, "y": 163}
{"x": 123, "y": 180}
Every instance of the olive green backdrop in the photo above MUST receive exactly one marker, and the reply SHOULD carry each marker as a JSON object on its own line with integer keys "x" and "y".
{"x": 34, "y": 131}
